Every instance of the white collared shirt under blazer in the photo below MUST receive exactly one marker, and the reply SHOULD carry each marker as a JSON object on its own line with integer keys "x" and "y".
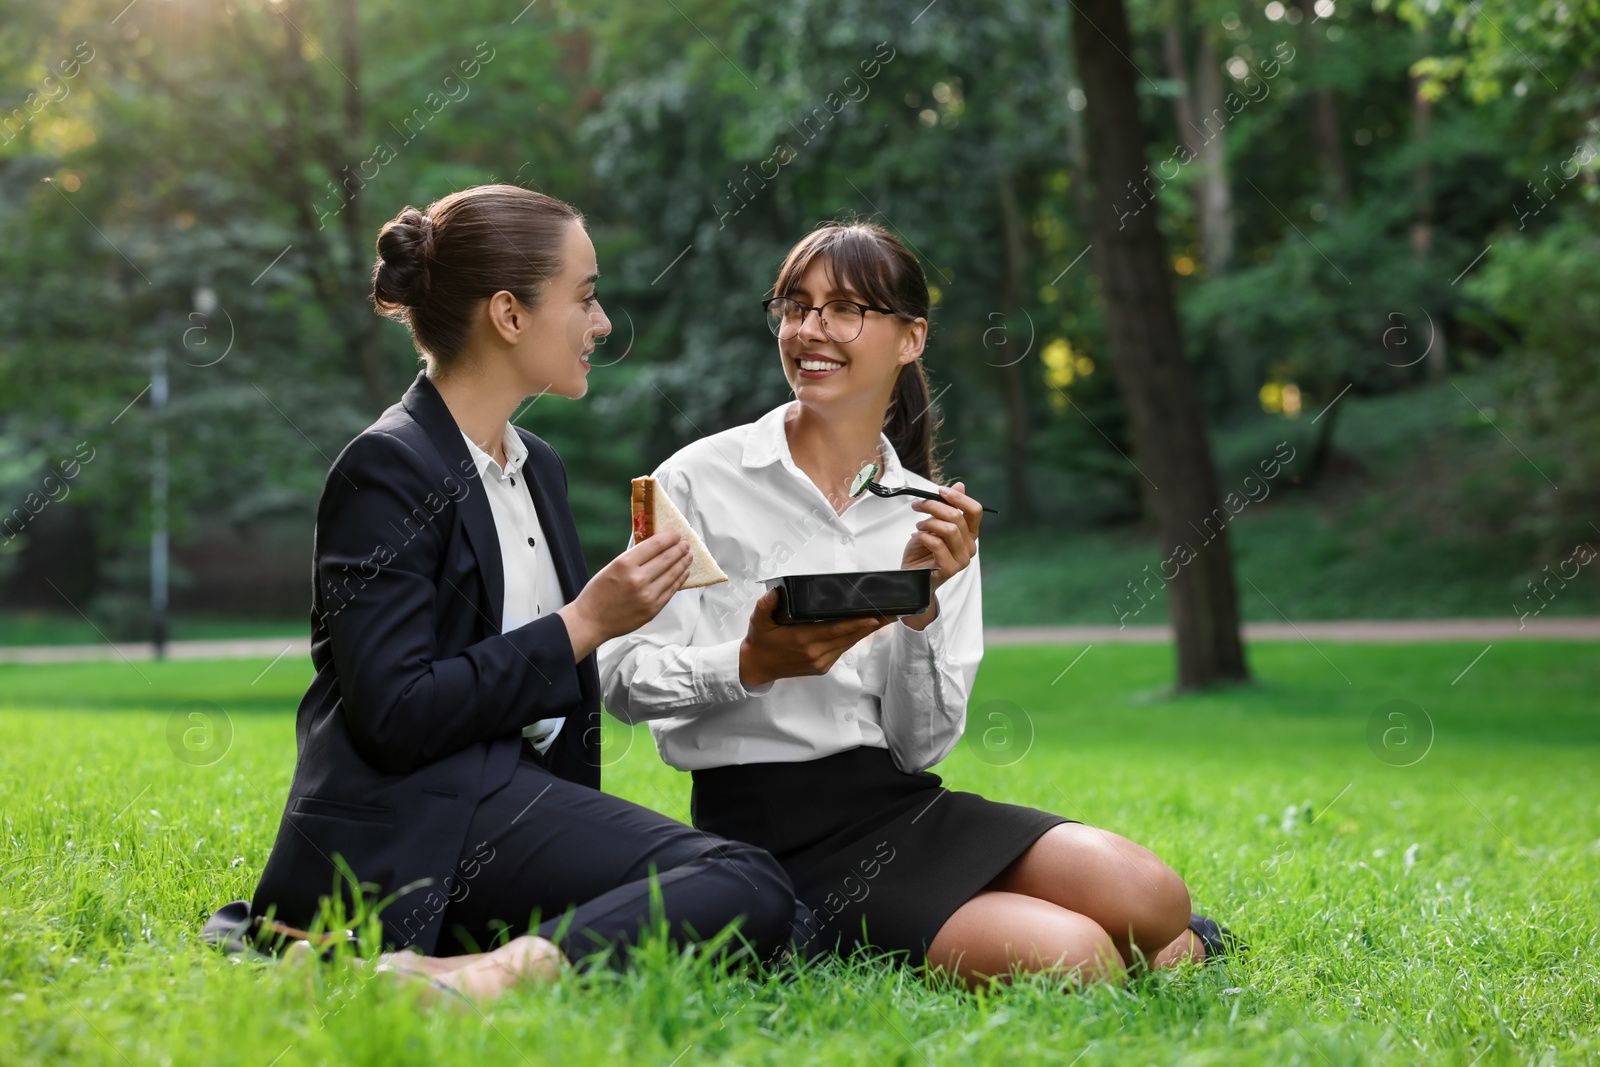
{"x": 761, "y": 516}
{"x": 532, "y": 586}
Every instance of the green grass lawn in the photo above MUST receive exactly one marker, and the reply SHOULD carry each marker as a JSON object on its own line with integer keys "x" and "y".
{"x": 1302, "y": 562}
{"x": 1446, "y": 911}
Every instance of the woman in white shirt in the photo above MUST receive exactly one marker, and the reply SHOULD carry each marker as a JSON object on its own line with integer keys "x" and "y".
{"x": 813, "y": 740}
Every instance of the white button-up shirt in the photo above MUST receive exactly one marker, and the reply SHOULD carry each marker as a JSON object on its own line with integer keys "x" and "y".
{"x": 532, "y": 586}
{"x": 761, "y": 516}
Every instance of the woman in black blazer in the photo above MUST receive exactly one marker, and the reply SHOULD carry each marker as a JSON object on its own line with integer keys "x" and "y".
{"x": 449, "y": 746}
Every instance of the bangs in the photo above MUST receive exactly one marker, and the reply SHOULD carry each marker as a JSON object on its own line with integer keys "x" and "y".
{"x": 858, "y": 256}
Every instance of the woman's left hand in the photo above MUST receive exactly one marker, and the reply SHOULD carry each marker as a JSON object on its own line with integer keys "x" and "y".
{"x": 948, "y": 537}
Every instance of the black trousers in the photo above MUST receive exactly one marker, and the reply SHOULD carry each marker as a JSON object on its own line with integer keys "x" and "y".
{"x": 573, "y": 864}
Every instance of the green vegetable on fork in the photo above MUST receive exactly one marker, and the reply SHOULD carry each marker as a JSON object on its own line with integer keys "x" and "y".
{"x": 863, "y": 482}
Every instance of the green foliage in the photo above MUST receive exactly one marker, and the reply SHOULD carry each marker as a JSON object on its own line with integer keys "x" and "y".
{"x": 1426, "y": 515}
{"x": 252, "y": 150}
{"x": 726, "y": 157}
{"x": 1538, "y": 52}
{"x": 1543, "y": 287}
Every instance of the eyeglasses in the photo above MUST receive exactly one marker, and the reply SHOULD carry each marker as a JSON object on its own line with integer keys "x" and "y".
{"x": 841, "y": 319}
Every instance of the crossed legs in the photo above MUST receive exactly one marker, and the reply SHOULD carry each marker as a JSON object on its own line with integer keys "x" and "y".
{"x": 1081, "y": 900}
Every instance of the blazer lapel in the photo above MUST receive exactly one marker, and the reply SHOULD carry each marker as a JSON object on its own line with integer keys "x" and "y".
{"x": 425, "y": 404}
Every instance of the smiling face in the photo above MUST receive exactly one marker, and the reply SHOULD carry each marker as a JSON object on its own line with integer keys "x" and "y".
{"x": 551, "y": 345}
{"x": 861, "y": 372}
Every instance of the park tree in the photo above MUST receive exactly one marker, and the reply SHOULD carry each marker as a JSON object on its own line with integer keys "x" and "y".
{"x": 1537, "y": 65}
{"x": 1145, "y": 338}
{"x": 237, "y": 159}
{"x": 233, "y": 152}
{"x": 1202, "y": 123}
{"x": 727, "y": 155}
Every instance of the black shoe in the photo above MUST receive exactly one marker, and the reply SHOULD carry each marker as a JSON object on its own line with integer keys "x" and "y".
{"x": 235, "y": 931}
{"x": 1218, "y": 940}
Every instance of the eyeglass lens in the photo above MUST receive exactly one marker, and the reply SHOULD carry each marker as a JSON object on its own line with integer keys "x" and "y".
{"x": 841, "y": 319}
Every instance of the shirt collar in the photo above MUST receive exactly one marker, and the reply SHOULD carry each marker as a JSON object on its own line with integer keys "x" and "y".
{"x": 768, "y": 443}
{"x": 516, "y": 454}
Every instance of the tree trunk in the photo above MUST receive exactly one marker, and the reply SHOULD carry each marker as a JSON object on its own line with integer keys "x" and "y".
{"x": 1172, "y": 53}
{"x": 1012, "y": 386}
{"x": 1213, "y": 199}
{"x": 337, "y": 251}
{"x": 1322, "y": 447}
{"x": 1216, "y": 199}
{"x": 1326, "y": 143}
{"x": 1422, "y": 223}
{"x": 1146, "y": 348}
{"x": 365, "y": 336}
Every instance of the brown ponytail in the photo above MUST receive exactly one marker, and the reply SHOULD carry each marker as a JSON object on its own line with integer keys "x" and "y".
{"x": 885, "y": 271}
{"x": 911, "y": 424}
{"x": 435, "y": 266}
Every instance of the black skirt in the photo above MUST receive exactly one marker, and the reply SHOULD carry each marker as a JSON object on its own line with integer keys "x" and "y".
{"x": 879, "y": 858}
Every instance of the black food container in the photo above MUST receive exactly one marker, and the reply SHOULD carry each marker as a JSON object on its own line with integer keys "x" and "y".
{"x": 851, "y": 595}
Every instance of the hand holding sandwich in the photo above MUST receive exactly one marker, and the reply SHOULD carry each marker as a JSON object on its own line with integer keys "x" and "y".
{"x": 667, "y": 555}
{"x": 629, "y": 592}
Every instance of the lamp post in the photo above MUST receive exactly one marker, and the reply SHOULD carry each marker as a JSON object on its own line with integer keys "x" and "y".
{"x": 158, "y": 501}
{"x": 205, "y": 303}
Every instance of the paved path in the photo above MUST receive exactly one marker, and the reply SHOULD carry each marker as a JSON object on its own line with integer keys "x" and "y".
{"x": 232, "y": 648}
{"x": 1345, "y": 632}
{"x": 1353, "y": 631}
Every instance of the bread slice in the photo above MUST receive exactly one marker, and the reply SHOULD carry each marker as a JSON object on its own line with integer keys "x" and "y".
{"x": 654, "y": 511}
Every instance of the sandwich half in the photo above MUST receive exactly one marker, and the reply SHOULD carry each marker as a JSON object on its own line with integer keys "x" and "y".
{"x": 654, "y": 511}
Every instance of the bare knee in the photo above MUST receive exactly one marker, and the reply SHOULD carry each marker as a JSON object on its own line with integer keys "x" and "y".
{"x": 1150, "y": 897}
{"x": 1092, "y": 959}
{"x": 1164, "y": 911}
{"x": 997, "y": 934}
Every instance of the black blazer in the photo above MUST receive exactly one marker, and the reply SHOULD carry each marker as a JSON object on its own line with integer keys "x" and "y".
{"x": 418, "y": 703}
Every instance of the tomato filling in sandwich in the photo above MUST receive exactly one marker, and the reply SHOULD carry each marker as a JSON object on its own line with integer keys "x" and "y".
{"x": 653, "y": 511}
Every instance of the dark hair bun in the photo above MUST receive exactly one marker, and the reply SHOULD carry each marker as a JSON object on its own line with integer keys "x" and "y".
{"x": 436, "y": 267}
{"x": 405, "y": 250}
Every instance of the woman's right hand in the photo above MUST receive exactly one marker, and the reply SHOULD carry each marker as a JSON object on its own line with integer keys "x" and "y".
{"x": 772, "y": 650}
{"x": 628, "y": 592}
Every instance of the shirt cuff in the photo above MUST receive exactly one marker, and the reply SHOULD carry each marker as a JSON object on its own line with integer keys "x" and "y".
{"x": 717, "y": 674}
{"x": 926, "y": 646}
{"x": 542, "y": 734}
